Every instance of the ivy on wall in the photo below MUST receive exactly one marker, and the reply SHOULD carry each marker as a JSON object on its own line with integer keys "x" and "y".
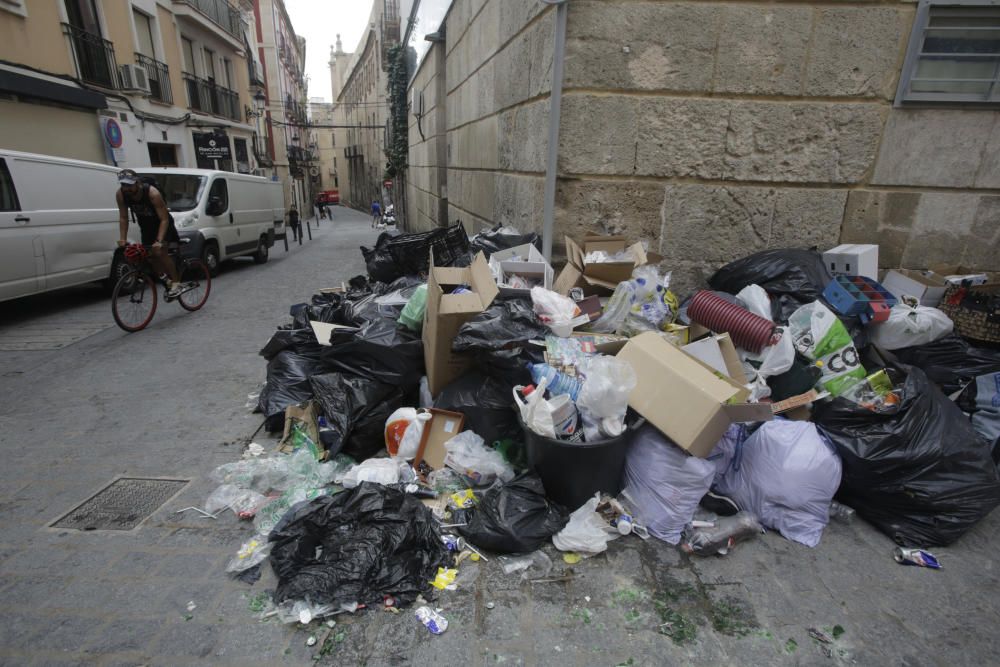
{"x": 398, "y": 146}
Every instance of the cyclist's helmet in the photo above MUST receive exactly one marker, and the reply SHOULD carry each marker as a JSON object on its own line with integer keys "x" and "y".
{"x": 135, "y": 253}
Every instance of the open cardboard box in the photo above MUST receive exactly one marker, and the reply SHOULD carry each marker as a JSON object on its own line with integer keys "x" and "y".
{"x": 598, "y": 277}
{"x": 443, "y": 426}
{"x": 446, "y": 313}
{"x": 690, "y": 402}
{"x": 927, "y": 286}
{"x": 718, "y": 352}
{"x": 532, "y": 266}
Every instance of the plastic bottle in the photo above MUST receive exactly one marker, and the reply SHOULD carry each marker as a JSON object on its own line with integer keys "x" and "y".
{"x": 559, "y": 383}
{"x": 412, "y": 316}
{"x": 726, "y": 532}
{"x": 841, "y": 513}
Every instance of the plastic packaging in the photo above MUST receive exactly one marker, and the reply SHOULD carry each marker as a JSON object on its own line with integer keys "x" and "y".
{"x": 908, "y": 326}
{"x": 403, "y": 431}
{"x": 243, "y": 502}
{"x": 515, "y": 517}
{"x": 508, "y": 321}
{"x": 533, "y": 565}
{"x": 276, "y": 472}
{"x": 254, "y": 551}
{"x": 603, "y": 398}
{"x": 651, "y": 304}
{"x": 270, "y": 514}
{"x": 720, "y": 537}
{"x": 536, "y": 413}
{"x": 432, "y": 620}
{"x": 558, "y": 383}
{"x": 560, "y": 313}
{"x": 469, "y": 456}
{"x": 377, "y": 471}
{"x": 917, "y": 470}
{"x": 986, "y": 418}
{"x": 819, "y": 336}
{"x": 787, "y": 475}
{"x": 412, "y": 316}
{"x": 586, "y": 531}
{"x": 664, "y": 483}
{"x": 841, "y": 513}
{"x": 426, "y": 399}
{"x": 756, "y": 300}
{"x": 501, "y": 238}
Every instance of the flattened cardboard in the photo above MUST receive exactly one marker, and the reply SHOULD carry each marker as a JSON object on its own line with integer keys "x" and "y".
{"x": 689, "y": 401}
{"x": 443, "y": 426}
{"x": 446, "y": 313}
{"x": 794, "y": 402}
{"x": 324, "y": 330}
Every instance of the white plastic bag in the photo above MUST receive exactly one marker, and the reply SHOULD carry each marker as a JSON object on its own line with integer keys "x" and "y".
{"x": 243, "y": 502}
{"x": 585, "y": 533}
{"x": 908, "y": 326}
{"x": 756, "y": 300}
{"x": 469, "y": 455}
{"x": 604, "y": 396}
{"x": 786, "y": 475}
{"x": 403, "y": 430}
{"x": 818, "y": 335}
{"x": 559, "y": 313}
{"x": 379, "y": 471}
{"x": 253, "y": 551}
{"x": 536, "y": 413}
{"x": 774, "y": 360}
{"x": 664, "y": 483}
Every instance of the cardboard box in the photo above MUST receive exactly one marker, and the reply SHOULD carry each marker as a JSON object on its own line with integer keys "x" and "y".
{"x": 853, "y": 259}
{"x": 927, "y": 286}
{"x": 691, "y": 403}
{"x": 443, "y": 426}
{"x": 308, "y": 416}
{"x": 599, "y": 277}
{"x": 971, "y": 279}
{"x": 446, "y": 313}
{"x": 719, "y": 352}
{"x": 533, "y": 267}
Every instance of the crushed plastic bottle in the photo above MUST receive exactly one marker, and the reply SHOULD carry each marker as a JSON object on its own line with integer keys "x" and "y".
{"x": 841, "y": 513}
{"x": 719, "y": 538}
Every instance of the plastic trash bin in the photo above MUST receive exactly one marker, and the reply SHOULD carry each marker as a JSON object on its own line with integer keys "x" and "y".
{"x": 573, "y": 472}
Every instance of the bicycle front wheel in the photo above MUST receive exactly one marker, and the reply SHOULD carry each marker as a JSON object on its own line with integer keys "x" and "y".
{"x": 197, "y": 283}
{"x": 133, "y": 301}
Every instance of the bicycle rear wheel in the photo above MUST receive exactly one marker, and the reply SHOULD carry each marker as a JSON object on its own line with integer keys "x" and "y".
{"x": 197, "y": 282}
{"x": 133, "y": 301}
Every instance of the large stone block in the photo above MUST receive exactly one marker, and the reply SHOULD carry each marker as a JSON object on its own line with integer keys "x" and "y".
{"x": 460, "y": 16}
{"x": 857, "y": 51}
{"x": 988, "y": 175}
{"x": 598, "y": 134}
{"x": 474, "y": 145}
{"x": 473, "y": 191}
{"x": 680, "y": 137}
{"x": 801, "y": 142}
{"x": 588, "y": 206}
{"x": 519, "y": 201}
{"x": 512, "y": 82}
{"x": 641, "y": 45}
{"x": 523, "y": 136}
{"x": 514, "y": 15}
{"x": 982, "y": 248}
{"x": 937, "y": 147}
{"x": 869, "y": 211}
{"x": 941, "y": 230}
{"x": 762, "y": 50}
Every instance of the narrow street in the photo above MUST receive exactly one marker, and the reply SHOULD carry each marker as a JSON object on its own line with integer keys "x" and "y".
{"x": 97, "y": 404}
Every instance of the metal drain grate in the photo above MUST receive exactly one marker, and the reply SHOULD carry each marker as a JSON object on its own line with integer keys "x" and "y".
{"x": 121, "y": 505}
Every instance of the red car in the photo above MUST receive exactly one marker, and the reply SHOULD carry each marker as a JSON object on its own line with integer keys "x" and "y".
{"x": 329, "y": 197}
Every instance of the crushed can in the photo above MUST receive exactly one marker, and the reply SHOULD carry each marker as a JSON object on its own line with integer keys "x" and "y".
{"x": 917, "y": 557}
{"x": 434, "y": 621}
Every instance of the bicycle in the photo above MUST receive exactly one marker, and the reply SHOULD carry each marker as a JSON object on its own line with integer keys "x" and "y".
{"x": 134, "y": 299}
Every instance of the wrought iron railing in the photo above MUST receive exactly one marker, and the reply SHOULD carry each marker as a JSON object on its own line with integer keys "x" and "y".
{"x": 94, "y": 57}
{"x": 211, "y": 98}
{"x": 220, "y": 12}
{"x": 159, "y": 78}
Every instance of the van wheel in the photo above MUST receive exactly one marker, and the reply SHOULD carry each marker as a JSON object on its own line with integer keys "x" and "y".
{"x": 260, "y": 257}
{"x": 119, "y": 267}
{"x": 210, "y": 255}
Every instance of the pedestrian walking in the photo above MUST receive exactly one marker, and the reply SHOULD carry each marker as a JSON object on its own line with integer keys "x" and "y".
{"x": 294, "y": 223}
{"x": 376, "y": 213}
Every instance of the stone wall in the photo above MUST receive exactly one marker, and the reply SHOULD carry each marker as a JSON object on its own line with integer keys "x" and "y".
{"x": 715, "y": 129}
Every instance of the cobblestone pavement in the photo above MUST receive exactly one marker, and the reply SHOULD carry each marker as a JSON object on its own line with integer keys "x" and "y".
{"x": 169, "y": 402}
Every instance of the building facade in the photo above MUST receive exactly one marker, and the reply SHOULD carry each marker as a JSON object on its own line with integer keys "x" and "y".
{"x": 132, "y": 83}
{"x": 339, "y": 62}
{"x": 321, "y": 118}
{"x": 284, "y": 122}
{"x": 362, "y": 106}
{"x": 716, "y": 129}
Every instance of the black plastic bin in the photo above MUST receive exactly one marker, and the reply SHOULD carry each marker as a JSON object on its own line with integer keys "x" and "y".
{"x": 573, "y": 472}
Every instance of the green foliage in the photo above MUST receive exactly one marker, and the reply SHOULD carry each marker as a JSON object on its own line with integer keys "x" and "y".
{"x": 399, "y": 144}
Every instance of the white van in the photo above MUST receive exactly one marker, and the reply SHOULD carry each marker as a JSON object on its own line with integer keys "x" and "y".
{"x": 222, "y": 213}
{"x": 58, "y": 222}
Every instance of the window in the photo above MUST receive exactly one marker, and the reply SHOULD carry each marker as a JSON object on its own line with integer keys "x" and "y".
{"x": 227, "y": 66}
{"x": 220, "y": 190}
{"x": 15, "y": 6}
{"x": 162, "y": 155}
{"x": 953, "y": 55}
{"x": 144, "y": 33}
{"x": 242, "y": 156}
{"x": 210, "y": 65}
{"x": 8, "y": 196}
{"x": 188, "y": 52}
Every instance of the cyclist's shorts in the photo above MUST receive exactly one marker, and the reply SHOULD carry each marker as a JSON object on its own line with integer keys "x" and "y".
{"x": 151, "y": 228}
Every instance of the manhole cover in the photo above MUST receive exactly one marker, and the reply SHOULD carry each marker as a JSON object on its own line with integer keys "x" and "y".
{"x": 122, "y": 505}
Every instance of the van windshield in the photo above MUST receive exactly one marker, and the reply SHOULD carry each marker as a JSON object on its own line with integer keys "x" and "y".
{"x": 181, "y": 192}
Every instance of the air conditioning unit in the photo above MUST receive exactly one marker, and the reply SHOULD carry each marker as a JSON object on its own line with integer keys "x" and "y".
{"x": 135, "y": 78}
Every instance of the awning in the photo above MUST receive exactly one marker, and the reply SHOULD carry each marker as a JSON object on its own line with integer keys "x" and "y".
{"x": 25, "y": 83}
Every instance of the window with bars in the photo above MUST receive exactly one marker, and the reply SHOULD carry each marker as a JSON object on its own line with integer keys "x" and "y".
{"x": 953, "y": 54}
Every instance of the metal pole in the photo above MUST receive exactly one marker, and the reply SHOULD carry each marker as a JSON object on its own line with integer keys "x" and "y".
{"x": 555, "y": 107}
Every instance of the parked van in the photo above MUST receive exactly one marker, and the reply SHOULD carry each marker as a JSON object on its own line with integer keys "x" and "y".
{"x": 223, "y": 214}
{"x": 58, "y": 222}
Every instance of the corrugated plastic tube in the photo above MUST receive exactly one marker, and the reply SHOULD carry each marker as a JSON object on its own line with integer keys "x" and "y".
{"x": 748, "y": 330}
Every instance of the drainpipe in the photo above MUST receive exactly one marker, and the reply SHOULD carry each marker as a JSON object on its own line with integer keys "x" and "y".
{"x": 555, "y": 106}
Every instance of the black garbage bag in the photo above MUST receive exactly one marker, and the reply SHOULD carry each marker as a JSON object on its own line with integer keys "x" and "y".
{"x": 408, "y": 254}
{"x": 356, "y": 409}
{"x": 509, "y": 367}
{"x": 793, "y": 277}
{"x": 495, "y": 240}
{"x": 379, "y": 261}
{"x": 917, "y": 470}
{"x": 382, "y": 350}
{"x": 357, "y": 546}
{"x": 507, "y": 322}
{"x": 515, "y": 517}
{"x": 488, "y": 406}
{"x": 287, "y": 384}
{"x": 951, "y": 361}
{"x": 287, "y": 338}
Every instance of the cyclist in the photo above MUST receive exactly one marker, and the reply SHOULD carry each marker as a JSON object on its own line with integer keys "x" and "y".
{"x": 155, "y": 224}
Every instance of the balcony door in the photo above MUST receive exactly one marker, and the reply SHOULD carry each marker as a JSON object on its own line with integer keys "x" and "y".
{"x": 93, "y": 55}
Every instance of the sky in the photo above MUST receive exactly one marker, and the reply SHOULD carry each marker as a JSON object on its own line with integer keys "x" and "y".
{"x": 319, "y": 21}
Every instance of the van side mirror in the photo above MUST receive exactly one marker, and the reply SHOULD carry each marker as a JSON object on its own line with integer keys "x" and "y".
{"x": 214, "y": 205}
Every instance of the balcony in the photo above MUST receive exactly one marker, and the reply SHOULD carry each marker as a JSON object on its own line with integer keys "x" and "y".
{"x": 94, "y": 57}
{"x": 208, "y": 97}
{"x": 159, "y": 78}
{"x": 218, "y": 12}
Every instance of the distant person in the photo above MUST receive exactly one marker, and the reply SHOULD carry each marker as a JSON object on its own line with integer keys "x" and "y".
{"x": 321, "y": 207}
{"x": 376, "y": 213}
{"x": 293, "y": 222}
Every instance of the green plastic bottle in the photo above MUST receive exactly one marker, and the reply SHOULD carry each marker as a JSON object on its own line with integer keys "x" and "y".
{"x": 412, "y": 316}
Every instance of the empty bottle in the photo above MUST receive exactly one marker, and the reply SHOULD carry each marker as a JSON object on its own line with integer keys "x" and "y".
{"x": 726, "y": 532}
{"x": 841, "y": 513}
{"x": 559, "y": 383}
